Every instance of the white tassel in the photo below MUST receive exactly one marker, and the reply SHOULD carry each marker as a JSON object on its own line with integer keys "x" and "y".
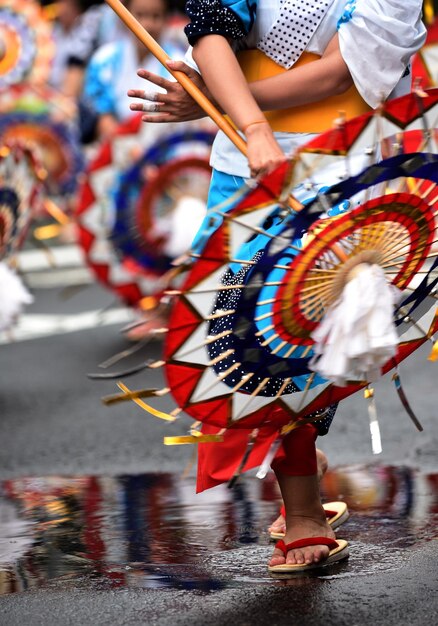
{"x": 376, "y": 440}
{"x": 13, "y": 296}
{"x": 183, "y": 224}
{"x": 357, "y": 335}
{"x": 266, "y": 465}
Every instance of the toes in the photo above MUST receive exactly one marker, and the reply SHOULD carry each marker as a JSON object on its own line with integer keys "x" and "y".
{"x": 277, "y": 528}
{"x": 312, "y": 555}
{"x": 295, "y": 557}
{"x": 307, "y": 556}
{"x": 277, "y": 558}
{"x": 320, "y": 553}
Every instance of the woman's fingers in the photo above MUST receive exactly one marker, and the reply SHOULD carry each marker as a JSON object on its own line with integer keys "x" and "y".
{"x": 174, "y": 105}
{"x": 148, "y": 107}
{"x": 180, "y": 66}
{"x": 144, "y": 95}
{"x": 159, "y": 118}
{"x": 154, "y": 78}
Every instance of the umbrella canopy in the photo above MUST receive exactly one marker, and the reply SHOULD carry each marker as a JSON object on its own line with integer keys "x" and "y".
{"x": 239, "y": 341}
{"x": 127, "y": 200}
{"x": 41, "y": 118}
{"x": 21, "y": 195}
{"x": 26, "y": 45}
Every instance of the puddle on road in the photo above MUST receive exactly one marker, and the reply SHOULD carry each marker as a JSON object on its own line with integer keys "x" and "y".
{"x": 153, "y": 531}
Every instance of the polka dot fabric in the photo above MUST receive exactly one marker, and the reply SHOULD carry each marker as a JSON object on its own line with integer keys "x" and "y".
{"x": 289, "y": 36}
{"x": 227, "y": 300}
{"x": 210, "y": 17}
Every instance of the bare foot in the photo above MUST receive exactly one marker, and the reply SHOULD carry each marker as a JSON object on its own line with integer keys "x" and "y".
{"x": 300, "y": 527}
{"x": 279, "y": 525}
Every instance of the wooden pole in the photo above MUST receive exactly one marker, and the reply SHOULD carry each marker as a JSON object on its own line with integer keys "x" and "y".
{"x": 197, "y": 95}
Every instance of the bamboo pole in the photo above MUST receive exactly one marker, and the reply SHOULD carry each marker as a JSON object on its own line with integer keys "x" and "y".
{"x": 154, "y": 48}
{"x": 158, "y": 52}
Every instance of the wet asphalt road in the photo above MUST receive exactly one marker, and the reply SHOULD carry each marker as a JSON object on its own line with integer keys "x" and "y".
{"x": 52, "y": 423}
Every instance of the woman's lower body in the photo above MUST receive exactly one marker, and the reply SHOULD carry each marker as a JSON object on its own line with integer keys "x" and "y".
{"x": 295, "y": 464}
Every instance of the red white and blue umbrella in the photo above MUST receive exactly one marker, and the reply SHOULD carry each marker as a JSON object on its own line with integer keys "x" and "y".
{"x": 129, "y": 199}
{"x": 238, "y": 350}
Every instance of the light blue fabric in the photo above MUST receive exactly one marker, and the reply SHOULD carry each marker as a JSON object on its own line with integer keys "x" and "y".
{"x": 223, "y": 188}
{"x": 222, "y": 197}
{"x": 100, "y": 78}
{"x": 245, "y": 10}
{"x": 348, "y": 12}
{"x": 113, "y": 70}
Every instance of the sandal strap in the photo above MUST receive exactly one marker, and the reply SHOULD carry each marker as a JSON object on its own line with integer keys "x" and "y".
{"x": 309, "y": 541}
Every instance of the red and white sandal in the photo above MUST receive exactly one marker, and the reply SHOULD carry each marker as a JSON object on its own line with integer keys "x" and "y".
{"x": 336, "y": 512}
{"x": 338, "y": 551}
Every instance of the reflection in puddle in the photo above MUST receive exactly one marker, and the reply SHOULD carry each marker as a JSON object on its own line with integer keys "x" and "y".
{"x": 152, "y": 531}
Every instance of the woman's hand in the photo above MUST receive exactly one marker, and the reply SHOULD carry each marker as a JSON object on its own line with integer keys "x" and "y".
{"x": 176, "y": 105}
{"x": 264, "y": 153}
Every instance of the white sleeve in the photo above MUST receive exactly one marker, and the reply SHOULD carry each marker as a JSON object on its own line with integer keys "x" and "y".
{"x": 377, "y": 39}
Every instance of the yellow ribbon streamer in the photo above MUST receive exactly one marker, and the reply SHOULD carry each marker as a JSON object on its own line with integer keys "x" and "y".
{"x": 47, "y": 232}
{"x": 185, "y": 439}
{"x": 433, "y": 356}
{"x": 56, "y": 212}
{"x": 128, "y": 394}
{"x": 429, "y": 12}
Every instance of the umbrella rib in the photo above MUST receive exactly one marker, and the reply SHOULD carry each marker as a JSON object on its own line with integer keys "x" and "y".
{"x": 259, "y": 318}
{"x": 257, "y": 230}
{"x": 269, "y": 340}
{"x": 385, "y": 241}
{"x": 279, "y": 347}
{"x": 253, "y": 395}
{"x": 395, "y": 254}
{"x": 221, "y": 357}
{"x": 408, "y": 319}
{"x": 245, "y": 379}
{"x": 206, "y": 342}
{"x": 220, "y": 377}
{"x": 262, "y": 331}
{"x": 218, "y": 315}
{"x": 291, "y": 351}
{"x": 268, "y": 301}
{"x": 306, "y": 389}
{"x": 284, "y": 384}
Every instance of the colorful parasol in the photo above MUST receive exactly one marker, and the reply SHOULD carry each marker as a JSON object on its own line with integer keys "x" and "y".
{"x": 239, "y": 347}
{"x": 425, "y": 63}
{"x": 21, "y": 195}
{"x": 26, "y": 45}
{"x": 41, "y": 119}
{"x": 160, "y": 201}
{"x": 130, "y": 199}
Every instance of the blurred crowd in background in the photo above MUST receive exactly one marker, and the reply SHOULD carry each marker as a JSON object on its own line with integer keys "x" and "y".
{"x": 78, "y": 166}
{"x": 96, "y": 58}
{"x": 95, "y": 174}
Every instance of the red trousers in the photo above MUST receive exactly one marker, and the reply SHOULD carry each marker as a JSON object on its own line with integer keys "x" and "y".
{"x": 217, "y": 462}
